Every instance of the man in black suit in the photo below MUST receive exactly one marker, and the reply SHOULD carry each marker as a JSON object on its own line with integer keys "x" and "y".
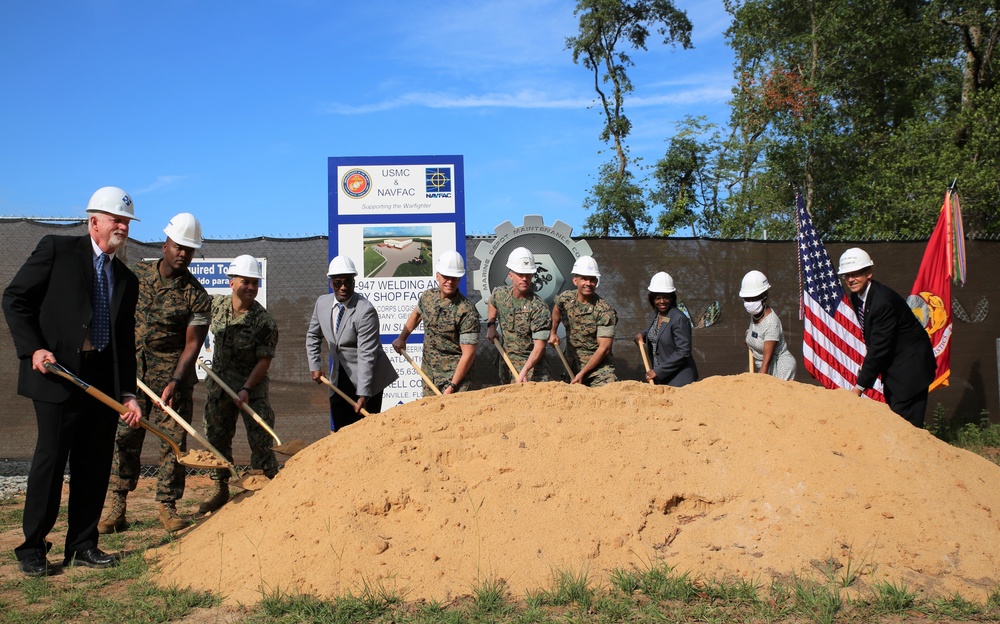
{"x": 73, "y": 302}
{"x": 898, "y": 346}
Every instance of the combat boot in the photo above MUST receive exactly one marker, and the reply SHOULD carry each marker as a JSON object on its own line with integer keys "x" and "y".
{"x": 169, "y": 518}
{"x": 115, "y": 520}
{"x": 219, "y": 498}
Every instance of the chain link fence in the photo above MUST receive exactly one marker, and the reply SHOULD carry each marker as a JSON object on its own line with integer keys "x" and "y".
{"x": 705, "y": 271}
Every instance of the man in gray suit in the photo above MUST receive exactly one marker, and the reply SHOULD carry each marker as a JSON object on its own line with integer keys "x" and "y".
{"x": 349, "y": 324}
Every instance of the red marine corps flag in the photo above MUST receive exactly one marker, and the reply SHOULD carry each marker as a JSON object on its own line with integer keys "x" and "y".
{"x": 833, "y": 348}
{"x": 930, "y": 299}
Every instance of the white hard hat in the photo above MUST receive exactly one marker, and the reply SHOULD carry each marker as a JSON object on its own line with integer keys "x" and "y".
{"x": 754, "y": 283}
{"x": 341, "y": 265}
{"x": 244, "y": 266}
{"x": 521, "y": 261}
{"x": 853, "y": 260}
{"x": 585, "y": 265}
{"x": 112, "y": 200}
{"x": 662, "y": 283}
{"x": 450, "y": 264}
{"x": 184, "y": 230}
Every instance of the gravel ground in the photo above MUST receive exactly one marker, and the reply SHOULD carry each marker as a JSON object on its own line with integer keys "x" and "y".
{"x": 13, "y": 478}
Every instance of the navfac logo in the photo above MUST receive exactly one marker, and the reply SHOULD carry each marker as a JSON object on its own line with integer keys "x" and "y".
{"x": 356, "y": 183}
{"x": 437, "y": 182}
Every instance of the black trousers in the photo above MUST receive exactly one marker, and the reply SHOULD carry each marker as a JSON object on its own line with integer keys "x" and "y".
{"x": 341, "y": 412}
{"x": 82, "y": 430}
{"x": 913, "y": 409}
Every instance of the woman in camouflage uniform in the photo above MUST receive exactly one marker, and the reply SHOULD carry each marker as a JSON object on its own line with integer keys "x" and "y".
{"x": 451, "y": 328}
{"x": 245, "y": 337}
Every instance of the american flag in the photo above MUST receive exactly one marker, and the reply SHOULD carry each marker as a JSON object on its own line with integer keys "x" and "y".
{"x": 832, "y": 346}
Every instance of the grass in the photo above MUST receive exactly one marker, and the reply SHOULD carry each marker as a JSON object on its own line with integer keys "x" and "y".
{"x": 654, "y": 592}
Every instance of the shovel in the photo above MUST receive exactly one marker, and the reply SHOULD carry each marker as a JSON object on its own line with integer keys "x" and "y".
{"x": 750, "y": 356}
{"x": 187, "y": 426}
{"x": 562, "y": 356}
{"x": 427, "y": 379}
{"x": 186, "y": 459}
{"x": 510, "y": 365}
{"x": 645, "y": 361}
{"x": 342, "y": 394}
{"x": 291, "y": 448}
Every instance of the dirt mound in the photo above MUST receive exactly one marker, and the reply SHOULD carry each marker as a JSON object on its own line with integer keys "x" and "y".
{"x": 741, "y": 476}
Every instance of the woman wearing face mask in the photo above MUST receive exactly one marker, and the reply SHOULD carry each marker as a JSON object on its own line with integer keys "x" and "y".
{"x": 668, "y": 336}
{"x": 765, "y": 339}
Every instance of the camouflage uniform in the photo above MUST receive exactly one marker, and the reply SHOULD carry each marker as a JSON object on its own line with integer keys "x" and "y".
{"x": 238, "y": 344}
{"x": 448, "y": 324}
{"x": 165, "y": 310}
{"x": 585, "y": 323}
{"x": 522, "y": 321}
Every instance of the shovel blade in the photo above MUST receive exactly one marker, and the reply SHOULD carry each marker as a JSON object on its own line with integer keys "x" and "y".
{"x": 290, "y": 448}
{"x": 201, "y": 459}
{"x": 251, "y": 481}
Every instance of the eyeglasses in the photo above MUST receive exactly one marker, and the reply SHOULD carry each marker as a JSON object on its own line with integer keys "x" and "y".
{"x": 340, "y": 283}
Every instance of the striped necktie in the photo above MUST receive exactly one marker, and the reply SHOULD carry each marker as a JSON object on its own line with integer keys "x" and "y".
{"x": 100, "y": 326}
{"x": 340, "y": 315}
{"x": 861, "y": 313}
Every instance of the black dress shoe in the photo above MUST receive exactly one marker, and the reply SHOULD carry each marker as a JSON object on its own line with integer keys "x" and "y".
{"x": 35, "y": 564}
{"x": 92, "y": 558}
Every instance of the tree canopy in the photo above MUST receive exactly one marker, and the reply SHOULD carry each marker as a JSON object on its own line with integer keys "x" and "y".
{"x": 608, "y": 29}
{"x": 871, "y": 110}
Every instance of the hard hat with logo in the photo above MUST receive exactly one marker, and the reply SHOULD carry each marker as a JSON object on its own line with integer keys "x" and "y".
{"x": 184, "y": 230}
{"x": 854, "y": 259}
{"x": 586, "y": 265}
{"x": 521, "y": 261}
{"x": 341, "y": 265}
{"x": 450, "y": 264}
{"x": 754, "y": 283}
{"x": 113, "y": 201}
{"x": 662, "y": 283}
{"x": 244, "y": 266}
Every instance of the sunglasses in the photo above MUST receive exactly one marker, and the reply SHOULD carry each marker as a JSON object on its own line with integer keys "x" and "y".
{"x": 340, "y": 283}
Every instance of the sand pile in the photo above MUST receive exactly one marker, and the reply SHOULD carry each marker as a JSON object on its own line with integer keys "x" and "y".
{"x": 740, "y": 476}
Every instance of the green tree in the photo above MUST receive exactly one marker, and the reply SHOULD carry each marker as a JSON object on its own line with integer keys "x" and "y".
{"x": 608, "y": 30}
{"x": 871, "y": 109}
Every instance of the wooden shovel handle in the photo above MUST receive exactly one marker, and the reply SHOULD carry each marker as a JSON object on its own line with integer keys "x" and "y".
{"x": 645, "y": 361}
{"x": 342, "y": 394}
{"x": 428, "y": 380}
{"x": 186, "y": 425}
{"x": 246, "y": 408}
{"x": 506, "y": 358}
{"x": 565, "y": 362}
{"x": 113, "y": 404}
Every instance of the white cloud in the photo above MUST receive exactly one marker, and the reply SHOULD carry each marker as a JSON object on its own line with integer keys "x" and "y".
{"x": 160, "y": 182}
{"x": 526, "y": 100}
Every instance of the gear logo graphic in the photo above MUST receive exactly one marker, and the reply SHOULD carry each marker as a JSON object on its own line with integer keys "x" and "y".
{"x": 553, "y": 248}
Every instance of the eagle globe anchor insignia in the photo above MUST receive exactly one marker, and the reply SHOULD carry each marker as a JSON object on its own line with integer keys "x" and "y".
{"x": 552, "y": 246}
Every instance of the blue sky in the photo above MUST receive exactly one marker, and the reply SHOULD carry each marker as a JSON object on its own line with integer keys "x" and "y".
{"x": 229, "y": 110}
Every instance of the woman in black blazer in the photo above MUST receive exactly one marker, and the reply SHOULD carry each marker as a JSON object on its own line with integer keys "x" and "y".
{"x": 668, "y": 336}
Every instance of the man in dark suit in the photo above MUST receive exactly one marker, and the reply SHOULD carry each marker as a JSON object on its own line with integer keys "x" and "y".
{"x": 898, "y": 346}
{"x": 73, "y": 303}
{"x": 349, "y": 325}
